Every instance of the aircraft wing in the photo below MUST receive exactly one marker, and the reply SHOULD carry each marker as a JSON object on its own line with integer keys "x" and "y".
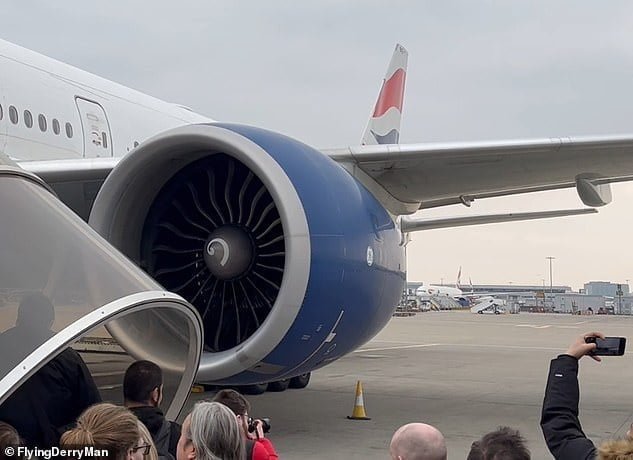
{"x": 409, "y": 177}
{"x": 415, "y": 176}
{"x": 70, "y": 170}
{"x": 75, "y": 181}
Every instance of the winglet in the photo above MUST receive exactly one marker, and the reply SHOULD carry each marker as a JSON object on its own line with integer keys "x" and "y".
{"x": 384, "y": 123}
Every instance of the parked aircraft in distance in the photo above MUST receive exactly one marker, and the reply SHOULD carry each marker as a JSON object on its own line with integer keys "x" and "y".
{"x": 425, "y": 292}
{"x": 293, "y": 256}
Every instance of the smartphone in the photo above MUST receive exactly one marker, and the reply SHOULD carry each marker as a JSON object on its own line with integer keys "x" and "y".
{"x": 609, "y": 346}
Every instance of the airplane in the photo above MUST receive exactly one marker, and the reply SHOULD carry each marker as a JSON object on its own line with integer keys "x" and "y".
{"x": 292, "y": 256}
{"x": 480, "y": 298}
{"x": 425, "y": 292}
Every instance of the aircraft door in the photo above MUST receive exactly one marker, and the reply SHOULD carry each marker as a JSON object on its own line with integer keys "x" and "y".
{"x": 96, "y": 129}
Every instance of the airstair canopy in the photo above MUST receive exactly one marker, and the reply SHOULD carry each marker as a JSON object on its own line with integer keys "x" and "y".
{"x": 60, "y": 283}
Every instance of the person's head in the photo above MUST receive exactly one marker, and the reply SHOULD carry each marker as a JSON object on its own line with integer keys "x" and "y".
{"x": 8, "y": 436}
{"x": 143, "y": 384}
{"x": 503, "y": 444}
{"x": 36, "y": 311}
{"x": 146, "y": 446}
{"x": 616, "y": 449}
{"x": 210, "y": 432}
{"x": 238, "y": 404}
{"x": 417, "y": 441}
{"x": 106, "y": 426}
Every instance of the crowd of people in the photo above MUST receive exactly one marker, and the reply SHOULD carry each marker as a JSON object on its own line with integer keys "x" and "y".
{"x": 60, "y": 406}
{"x": 221, "y": 429}
{"x": 137, "y": 430}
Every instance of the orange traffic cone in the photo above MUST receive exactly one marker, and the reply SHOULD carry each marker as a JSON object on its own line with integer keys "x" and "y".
{"x": 359, "y": 405}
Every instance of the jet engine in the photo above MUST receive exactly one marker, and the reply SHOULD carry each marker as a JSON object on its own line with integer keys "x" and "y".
{"x": 290, "y": 261}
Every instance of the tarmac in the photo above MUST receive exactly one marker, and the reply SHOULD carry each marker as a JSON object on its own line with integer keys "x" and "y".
{"x": 466, "y": 374}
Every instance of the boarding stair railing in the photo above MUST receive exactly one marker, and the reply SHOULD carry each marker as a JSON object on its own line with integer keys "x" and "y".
{"x": 444, "y": 303}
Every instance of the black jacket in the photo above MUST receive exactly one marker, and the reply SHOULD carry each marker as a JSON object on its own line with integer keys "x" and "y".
{"x": 153, "y": 419}
{"x": 559, "y": 420}
{"x": 50, "y": 401}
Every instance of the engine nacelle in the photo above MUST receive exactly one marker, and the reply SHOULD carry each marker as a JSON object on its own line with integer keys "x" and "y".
{"x": 290, "y": 261}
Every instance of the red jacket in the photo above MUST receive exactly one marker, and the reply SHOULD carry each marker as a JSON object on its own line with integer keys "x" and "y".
{"x": 263, "y": 449}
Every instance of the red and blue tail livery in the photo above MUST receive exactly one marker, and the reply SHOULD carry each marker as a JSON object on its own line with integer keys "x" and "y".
{"x": 384, "y": 124}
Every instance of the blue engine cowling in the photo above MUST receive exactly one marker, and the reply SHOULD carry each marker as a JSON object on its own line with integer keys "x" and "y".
{"x": 290, "y": 261}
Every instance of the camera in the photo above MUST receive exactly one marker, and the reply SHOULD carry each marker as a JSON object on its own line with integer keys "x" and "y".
{"x": 252, "y": 424}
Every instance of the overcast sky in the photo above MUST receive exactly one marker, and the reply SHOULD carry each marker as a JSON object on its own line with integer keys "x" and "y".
{"x": 477, "y": 70}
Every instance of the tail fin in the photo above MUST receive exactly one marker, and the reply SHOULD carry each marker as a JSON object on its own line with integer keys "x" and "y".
{"x": 384, "y": 124}
{"x": 459, "y": 278}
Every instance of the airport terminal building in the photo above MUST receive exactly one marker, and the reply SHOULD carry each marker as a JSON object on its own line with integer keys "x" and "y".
{"x": 595, "y": 297}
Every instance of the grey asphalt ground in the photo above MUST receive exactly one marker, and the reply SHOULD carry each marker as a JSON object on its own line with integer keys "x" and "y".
{"x": 466, "y": 374}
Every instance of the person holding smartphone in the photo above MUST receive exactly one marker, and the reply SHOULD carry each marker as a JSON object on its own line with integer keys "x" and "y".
{"x": 559, "y": 418}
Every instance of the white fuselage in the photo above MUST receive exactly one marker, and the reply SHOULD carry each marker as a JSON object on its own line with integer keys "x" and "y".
{"x": 426, "y": 292}
{"x": 95, "y": 117}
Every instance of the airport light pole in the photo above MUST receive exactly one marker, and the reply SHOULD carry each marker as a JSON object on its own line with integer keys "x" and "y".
{"x": 551, "y": 284}
{"x": 618, "y": 292}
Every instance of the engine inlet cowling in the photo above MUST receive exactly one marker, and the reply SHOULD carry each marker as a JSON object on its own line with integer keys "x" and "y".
{"x": 212, "y": 216}
{"x": 214, "y": 235}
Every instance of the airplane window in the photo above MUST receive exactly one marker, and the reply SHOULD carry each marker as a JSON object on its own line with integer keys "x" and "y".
{"x": 104, "y": 138}
{"x": 41, "y": 120}
{"x": 69, "y": 130}
{"x": 55, "y": 126}
{"x": 1, "y": 112}
{"x": 28, "y": 119}
{"x": 13, "y": 115}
